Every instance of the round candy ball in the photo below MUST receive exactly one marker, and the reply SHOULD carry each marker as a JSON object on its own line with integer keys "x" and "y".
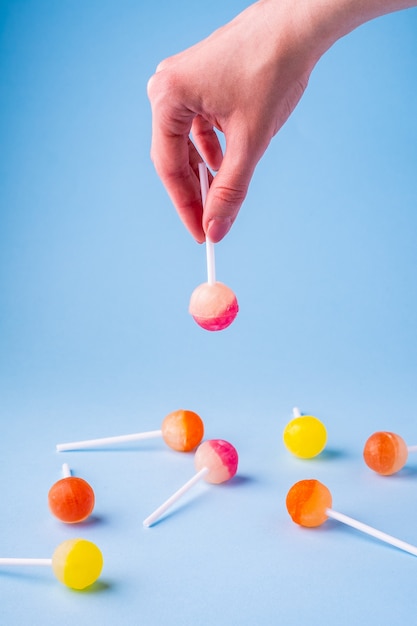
{"x": 182, "y": 430}
{"x": 385, "y": 453}
{"x": 213, "y": 306}
{"x": 77, "y": 563}
{"x": 307, "y": 502}
{"x": 305, "y": 436}
{"x": 220, "y": 457}
{"x": 71, "y": 499}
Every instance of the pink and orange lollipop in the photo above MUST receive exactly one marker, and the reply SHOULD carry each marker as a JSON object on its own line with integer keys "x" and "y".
{"x": 215, "y": 460}
{"x": 213, "y": 305}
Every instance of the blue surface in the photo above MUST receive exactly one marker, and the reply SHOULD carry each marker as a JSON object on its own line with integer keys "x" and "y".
{"x": 96, "y": 271}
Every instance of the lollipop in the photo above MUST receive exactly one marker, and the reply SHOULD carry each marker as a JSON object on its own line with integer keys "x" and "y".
{"x": 386, "y": 453}
{"x": 181, "y": 430}
{"x": 71, "y": 499}
{"x": 213, "y": 305}
{"x": 309, "y": 504}
{"x": 305, "y": 436}
{"x": 77, "y": 563}
{"x": 215, "y": 460}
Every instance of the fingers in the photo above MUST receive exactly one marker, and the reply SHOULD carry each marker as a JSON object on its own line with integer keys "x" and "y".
{"x": 207, "y": 142}
{"x": 227, "y": 192}
{"x": 176, "y": 160}
{"x": 223, "y": 203}
{"x": 174, "y": 156}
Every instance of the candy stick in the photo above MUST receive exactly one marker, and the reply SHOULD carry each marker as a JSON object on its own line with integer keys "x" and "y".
{"x": 77, "y": 563}
{"x": 19, "y": 561}
{"x": 215, "y": 460}
{"x": 106, "y": 441}
{"x": 204, "y": 185}
{"x": 181, "y": 430}
{"x": 151, "y": 519}
{"x": 66, "y": 472}
{"x": 309, "y": 503}
{"x": 370, "y": 530}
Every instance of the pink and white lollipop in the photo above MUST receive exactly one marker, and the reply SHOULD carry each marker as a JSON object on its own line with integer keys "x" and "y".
{"x": 213, "y": 305}
{"x": 215, "y": 460}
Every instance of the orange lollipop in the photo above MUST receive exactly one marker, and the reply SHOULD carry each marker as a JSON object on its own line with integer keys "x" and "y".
{"x": 71, "y": 499}
{"x": 386, "y": 453}
{"x": 309, "y": 504}
{"x": 181, "y": 430}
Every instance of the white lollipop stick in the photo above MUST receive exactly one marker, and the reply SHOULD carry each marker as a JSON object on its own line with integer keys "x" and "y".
{"x": 105, "y": 441}
{"x": 412, "y": 448}
{"x": 14, "y": 561}
{"x": 296, "y": 412}
{"x": 369, "y": 530}
{"x": 66, "y": 472}
{"x": 175, "y": 496}
{"x": 211, "y": 265}
{"x": 204, "y": 185}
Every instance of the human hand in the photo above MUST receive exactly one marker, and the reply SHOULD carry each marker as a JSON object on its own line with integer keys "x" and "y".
{"x": 243, "y": 80}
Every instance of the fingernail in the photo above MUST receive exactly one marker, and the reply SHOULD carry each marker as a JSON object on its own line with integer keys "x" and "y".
{"x": 218, "y": 227}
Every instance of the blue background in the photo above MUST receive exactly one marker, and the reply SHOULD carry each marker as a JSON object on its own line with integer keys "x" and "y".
{"x": 96, "y": 271}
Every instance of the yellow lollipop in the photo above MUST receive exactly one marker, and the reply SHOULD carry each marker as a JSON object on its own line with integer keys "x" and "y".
{"x": 305, "y": 436}
{"x": 77, "y": 563}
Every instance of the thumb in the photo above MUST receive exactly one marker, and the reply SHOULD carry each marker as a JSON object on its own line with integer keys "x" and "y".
{"x": 226, "y": 194}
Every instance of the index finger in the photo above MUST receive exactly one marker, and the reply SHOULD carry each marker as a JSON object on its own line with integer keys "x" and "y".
{"x": 174, "y": 156}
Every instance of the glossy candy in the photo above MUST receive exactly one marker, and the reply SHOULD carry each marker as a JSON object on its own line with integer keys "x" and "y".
{"x": 213, "y": 306}
{"x": 385, "y": 453}
{"x": 219, "y": 457}
{"x": 305, "y": 436}
{"x": 71, "y": 499}
{"x": 181, "y": 430}
{"x": 77, "y": 563}
{"x": 215, "y": 460}
{"x": 309, "y": 504}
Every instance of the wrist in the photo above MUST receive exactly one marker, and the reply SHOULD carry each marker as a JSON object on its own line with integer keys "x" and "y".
{"x": 318, "y": 24}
